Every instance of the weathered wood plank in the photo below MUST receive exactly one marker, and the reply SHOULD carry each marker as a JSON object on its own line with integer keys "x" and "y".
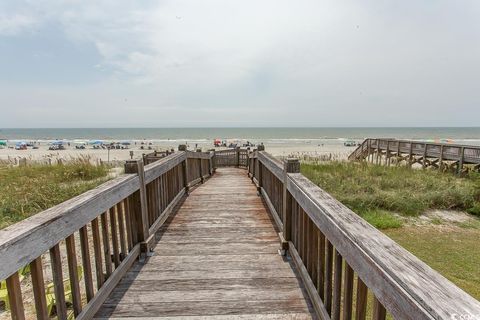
{"x": 203, "y": 308}
{"x": 276, "y": 316}
{"x": 208, "y": 284}
{"x": 221, "y": 295}
{"x": 218, "y": 252}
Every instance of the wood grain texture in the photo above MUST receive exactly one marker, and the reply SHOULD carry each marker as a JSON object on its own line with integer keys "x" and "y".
{"x": 216, "y": 255}
{"x": 55, "y": 224}
{"x": 36, "y": 271}
{"x": 406, "y": 286}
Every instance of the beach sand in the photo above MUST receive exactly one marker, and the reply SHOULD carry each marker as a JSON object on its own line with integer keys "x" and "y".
{"x": 335, "y": 150}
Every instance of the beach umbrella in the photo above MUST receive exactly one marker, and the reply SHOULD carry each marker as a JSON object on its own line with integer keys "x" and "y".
{"x": 96, "y": 142}
{"x": 126, "y": 143}
{"x": 3, "y": 143}
{"x": 21, "y": 143}
{"x": 58, "y": 143}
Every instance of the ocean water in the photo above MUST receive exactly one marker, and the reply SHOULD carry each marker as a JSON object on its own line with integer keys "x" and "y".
{"x": 463, "y": 135}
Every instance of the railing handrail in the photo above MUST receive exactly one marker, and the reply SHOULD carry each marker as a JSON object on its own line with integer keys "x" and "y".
{"x": 446, "y": 144}
{"x": 22, "y": 242}
{"x": 409, "y": 286}
{"x": 406, "y": 286}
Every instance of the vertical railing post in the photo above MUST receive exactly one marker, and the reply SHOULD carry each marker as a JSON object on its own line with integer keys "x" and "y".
{"x": 210, "y": 161}
{"x": 290, "y": 165}
{"x": 200, "y": 166}
{"x": 213, "y": 161}
{"x": 387, "y": 159}
{"x": 440, "y": 165}
{"x": 140, "y": 198}
{"x": 183, "y": 147}
{"x": 410, "y": 155}
{"x": 254, "y": 164}
{"x": 424, "y": 160}
{"x": 462, "y": 159}
{"x": 237, "y": 155}
{"x": 260, "y": 148}
{"x": 398, "y": 153}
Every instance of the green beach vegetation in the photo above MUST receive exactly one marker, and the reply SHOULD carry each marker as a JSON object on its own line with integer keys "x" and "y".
{"x": 27, "y": 190}
{"x": 382, "y": 195}
{"x": 395, "y": 199}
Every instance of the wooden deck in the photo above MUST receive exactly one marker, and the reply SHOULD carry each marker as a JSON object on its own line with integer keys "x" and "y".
{"x": 216, "y": 257}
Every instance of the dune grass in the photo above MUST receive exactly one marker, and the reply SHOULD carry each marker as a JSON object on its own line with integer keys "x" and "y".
{"x": 386, "y": 196}
{"x": 25, "y": 191}
{"x": 378, "y": 193}
{"x": 453, "y": 252}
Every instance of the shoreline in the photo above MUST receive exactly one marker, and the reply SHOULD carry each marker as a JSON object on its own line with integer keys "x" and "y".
{"x": 283, "y": 150}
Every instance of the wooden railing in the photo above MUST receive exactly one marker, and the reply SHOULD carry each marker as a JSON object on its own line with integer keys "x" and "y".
{"x": 341, "y": 258}
{"x": 231, "y": 158}
{"x": 382, "y": 151}
{"x": 110, "y": 227}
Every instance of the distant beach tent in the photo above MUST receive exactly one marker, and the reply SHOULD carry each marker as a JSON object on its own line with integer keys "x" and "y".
{"x": 80, "y": 142}
{"x": 3, "y": 143}
{"x": 21, "y": 145}
{"x": 96, "y": 142}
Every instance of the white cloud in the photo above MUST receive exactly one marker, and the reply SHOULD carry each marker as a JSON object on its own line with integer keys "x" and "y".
{"x": 217, "y": 58}
{"x": 15, "y": 24}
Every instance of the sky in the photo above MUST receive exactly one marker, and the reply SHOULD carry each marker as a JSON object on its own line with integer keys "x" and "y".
{"x": 194, "y": 63}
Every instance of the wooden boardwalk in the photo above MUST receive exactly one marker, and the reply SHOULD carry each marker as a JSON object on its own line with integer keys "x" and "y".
{"x": 217, "y": 257}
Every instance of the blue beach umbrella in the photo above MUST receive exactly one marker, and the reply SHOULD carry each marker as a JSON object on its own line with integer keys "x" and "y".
{"x": 58, "y": 143}
{"x": 96, "y": 142}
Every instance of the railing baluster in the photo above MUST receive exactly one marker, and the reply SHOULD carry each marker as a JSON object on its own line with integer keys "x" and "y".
{"x": 38, "y": 284}
{"x": 321, "y": 265}
{"x": 106, "y": 245}
{"x": 113, "y": 230}
{"x": 87, "y": 267}
{"x": 361, "y": 304}
{"x": 128, "y": 223}
{"x": 328, "y": 277}
{"x": 337, "y": 286}
{"x": 314, "y": 252}
{"x": 15, "y": 297}
{"x": 379, "y": 312}
{"x": 73, "y": 273}
{"x": 347, "y": 292}
{"x": 121, "y": 226}
{"x": 57, "y": 273}
{"x": 98, "y": 253}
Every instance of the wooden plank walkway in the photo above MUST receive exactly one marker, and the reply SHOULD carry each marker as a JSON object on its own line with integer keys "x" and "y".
{"x": 216, "y": 258}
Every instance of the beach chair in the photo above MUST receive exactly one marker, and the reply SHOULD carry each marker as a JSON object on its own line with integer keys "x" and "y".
{"x": 50, "y": 292}
{"x": 4, "y": 294}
